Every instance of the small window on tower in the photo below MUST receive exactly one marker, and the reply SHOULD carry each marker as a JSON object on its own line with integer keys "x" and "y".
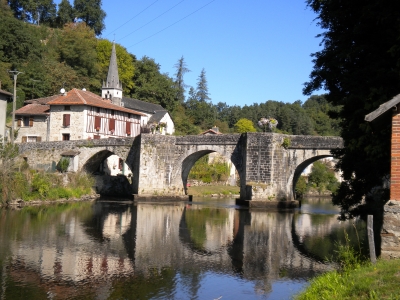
{"x": 67, "y": 107}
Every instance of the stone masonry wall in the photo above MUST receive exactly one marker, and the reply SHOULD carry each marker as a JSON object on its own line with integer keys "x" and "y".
{"x": 39, "y": 128}
{"x": 272, "y": 160}
{"x": 390, "y": 234}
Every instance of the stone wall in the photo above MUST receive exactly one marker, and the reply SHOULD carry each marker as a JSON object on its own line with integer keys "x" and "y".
{"x": 390, "y": 234}
{"x": 39, "y": 128}
{"x": 77, "y": 127}
{"x": 267, "y": 163}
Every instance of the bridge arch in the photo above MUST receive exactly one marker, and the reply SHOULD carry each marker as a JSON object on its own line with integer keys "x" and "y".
{"x": 294, "y": 177}
{"x": 187, "y": 161}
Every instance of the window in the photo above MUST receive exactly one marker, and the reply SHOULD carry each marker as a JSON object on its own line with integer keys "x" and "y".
{"x": 31, "y": 139}
{"x": 96, "y": 137}
{"x": 121, "y": 164}
{"x": 97, "y": 122}
{"x": 67, "y": 107}
{"x": 111, "y": 125}
{"x": 26, "y": 122}
{"x": 128, "y": 128}
{"x": 98, "y": 109}
{"x": 66, "y": 120}
{"x": 65, "y": 137}
{"x": 112, "y": 112}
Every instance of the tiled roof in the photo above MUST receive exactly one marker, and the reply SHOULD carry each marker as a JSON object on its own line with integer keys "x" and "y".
{"x": 41, "y": 100}
{"x": 210, "y": 131}
{"x": 33, "y": 109}
{"x": 5, "y": 92}
{"x": 79, "y": 97}
{"x": 142, "y": 106}
{"x": 157, "y": 116}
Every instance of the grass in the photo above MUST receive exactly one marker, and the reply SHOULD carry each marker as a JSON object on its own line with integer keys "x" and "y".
{"x": 379, "y": 281}
{"x": 208, "y": 190}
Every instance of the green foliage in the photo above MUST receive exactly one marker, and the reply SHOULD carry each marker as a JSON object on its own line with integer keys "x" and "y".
{"x": 65, "y": 13}
{"x": 63, "y": 164}
{"x": 301, "y": 187}
{"x": 152, "y": 86}
{"x": 209, "y": 172}
{"x": 322, "y": 178}
{"x": 202, "y": 93}
{"x": 181, "y": 70}
{"x": 91, "y": 13}
{"x": 244, "y": 125}
{"x": 343, "y": 67}
{"x": 286, "y": 143}
{"x": 379, "y": 281}
{"x": 41, "y": 184}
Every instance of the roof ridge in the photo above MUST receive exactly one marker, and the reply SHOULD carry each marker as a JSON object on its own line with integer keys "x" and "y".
{"x": 79, "y": 95}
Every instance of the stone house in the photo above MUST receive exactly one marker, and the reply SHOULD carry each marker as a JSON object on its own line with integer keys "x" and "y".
{"x": 4, "y": 96}
{"x": 75, "y": 115}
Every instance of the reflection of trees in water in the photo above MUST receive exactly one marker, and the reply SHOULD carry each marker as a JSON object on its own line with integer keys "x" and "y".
{"x": 166, "y": 246}
{"x": 197, "y": 221}
{"x": 318, "y": 236}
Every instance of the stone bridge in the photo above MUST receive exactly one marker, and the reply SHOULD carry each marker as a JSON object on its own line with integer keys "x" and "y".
{"x": 268, "y": 164}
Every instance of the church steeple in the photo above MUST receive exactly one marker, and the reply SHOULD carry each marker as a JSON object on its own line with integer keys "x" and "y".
{"x": 112, "y": 88}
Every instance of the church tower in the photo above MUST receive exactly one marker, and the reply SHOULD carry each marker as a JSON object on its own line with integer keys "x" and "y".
{"x": 112, "y": 88}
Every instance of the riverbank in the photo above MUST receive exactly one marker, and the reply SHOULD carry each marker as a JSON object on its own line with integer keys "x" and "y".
{"x": 213, "y": 190}
{"x": 18, "y": 203}
{"x": 379, "y": 281}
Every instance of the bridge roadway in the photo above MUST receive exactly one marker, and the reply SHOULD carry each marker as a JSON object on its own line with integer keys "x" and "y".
{"x": 268, "y": 164}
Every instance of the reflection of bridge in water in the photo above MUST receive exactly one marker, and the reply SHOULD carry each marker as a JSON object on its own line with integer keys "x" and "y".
{"x": 121, "y": 240}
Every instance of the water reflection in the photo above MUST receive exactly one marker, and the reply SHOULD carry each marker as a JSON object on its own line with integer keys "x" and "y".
{"x": 115, "y": 250}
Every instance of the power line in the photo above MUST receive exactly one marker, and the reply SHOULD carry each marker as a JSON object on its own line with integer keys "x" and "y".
{"x": 133, "y": 17}
{"x": 172, "y": 24}
{"x": 151, "y": 20}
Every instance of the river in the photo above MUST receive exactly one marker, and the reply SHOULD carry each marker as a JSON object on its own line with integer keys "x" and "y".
{"x": 206, "y": 249}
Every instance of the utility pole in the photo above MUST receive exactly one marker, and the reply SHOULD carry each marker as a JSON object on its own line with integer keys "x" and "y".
{"x": 15, "y": 73}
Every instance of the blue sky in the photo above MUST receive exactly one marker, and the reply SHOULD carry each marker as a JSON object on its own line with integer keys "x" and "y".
{"x": 252, "y": 51}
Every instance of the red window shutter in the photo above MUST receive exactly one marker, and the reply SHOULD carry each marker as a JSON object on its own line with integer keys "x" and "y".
{"x": 128, "y": 127}
{"x": 24, "y": 139}
{"x": 30, "y": 122}
{"x": 96, "y": 137}
{"x": 66, "y": 120}
{"x": 97, "y": 121}
{"x": 111, "y": 124}
{"x": 19, "y": 122}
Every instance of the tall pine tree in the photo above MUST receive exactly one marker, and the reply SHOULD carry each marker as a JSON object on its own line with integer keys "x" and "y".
{"x": 181, "y": 70}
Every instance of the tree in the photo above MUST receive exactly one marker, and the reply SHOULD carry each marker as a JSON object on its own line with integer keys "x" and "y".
{"x": 244, "y": 125}
{"x": 77, "y": 48}
{"x": 91, "y": 13}
{"x": 359, "y": 65}
{"x": 322, "y": 178}
{"x": 65, "y": 13}
{"x": 152, "y": 86}
{"x": 181, "y": 70}
{"x": 39, "y": 11}
{"x": 202, "y": 88}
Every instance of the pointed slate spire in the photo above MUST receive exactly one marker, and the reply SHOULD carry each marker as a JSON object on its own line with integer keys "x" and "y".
{"x": 112, "y": 88}
{"x": 112, "y": 77}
